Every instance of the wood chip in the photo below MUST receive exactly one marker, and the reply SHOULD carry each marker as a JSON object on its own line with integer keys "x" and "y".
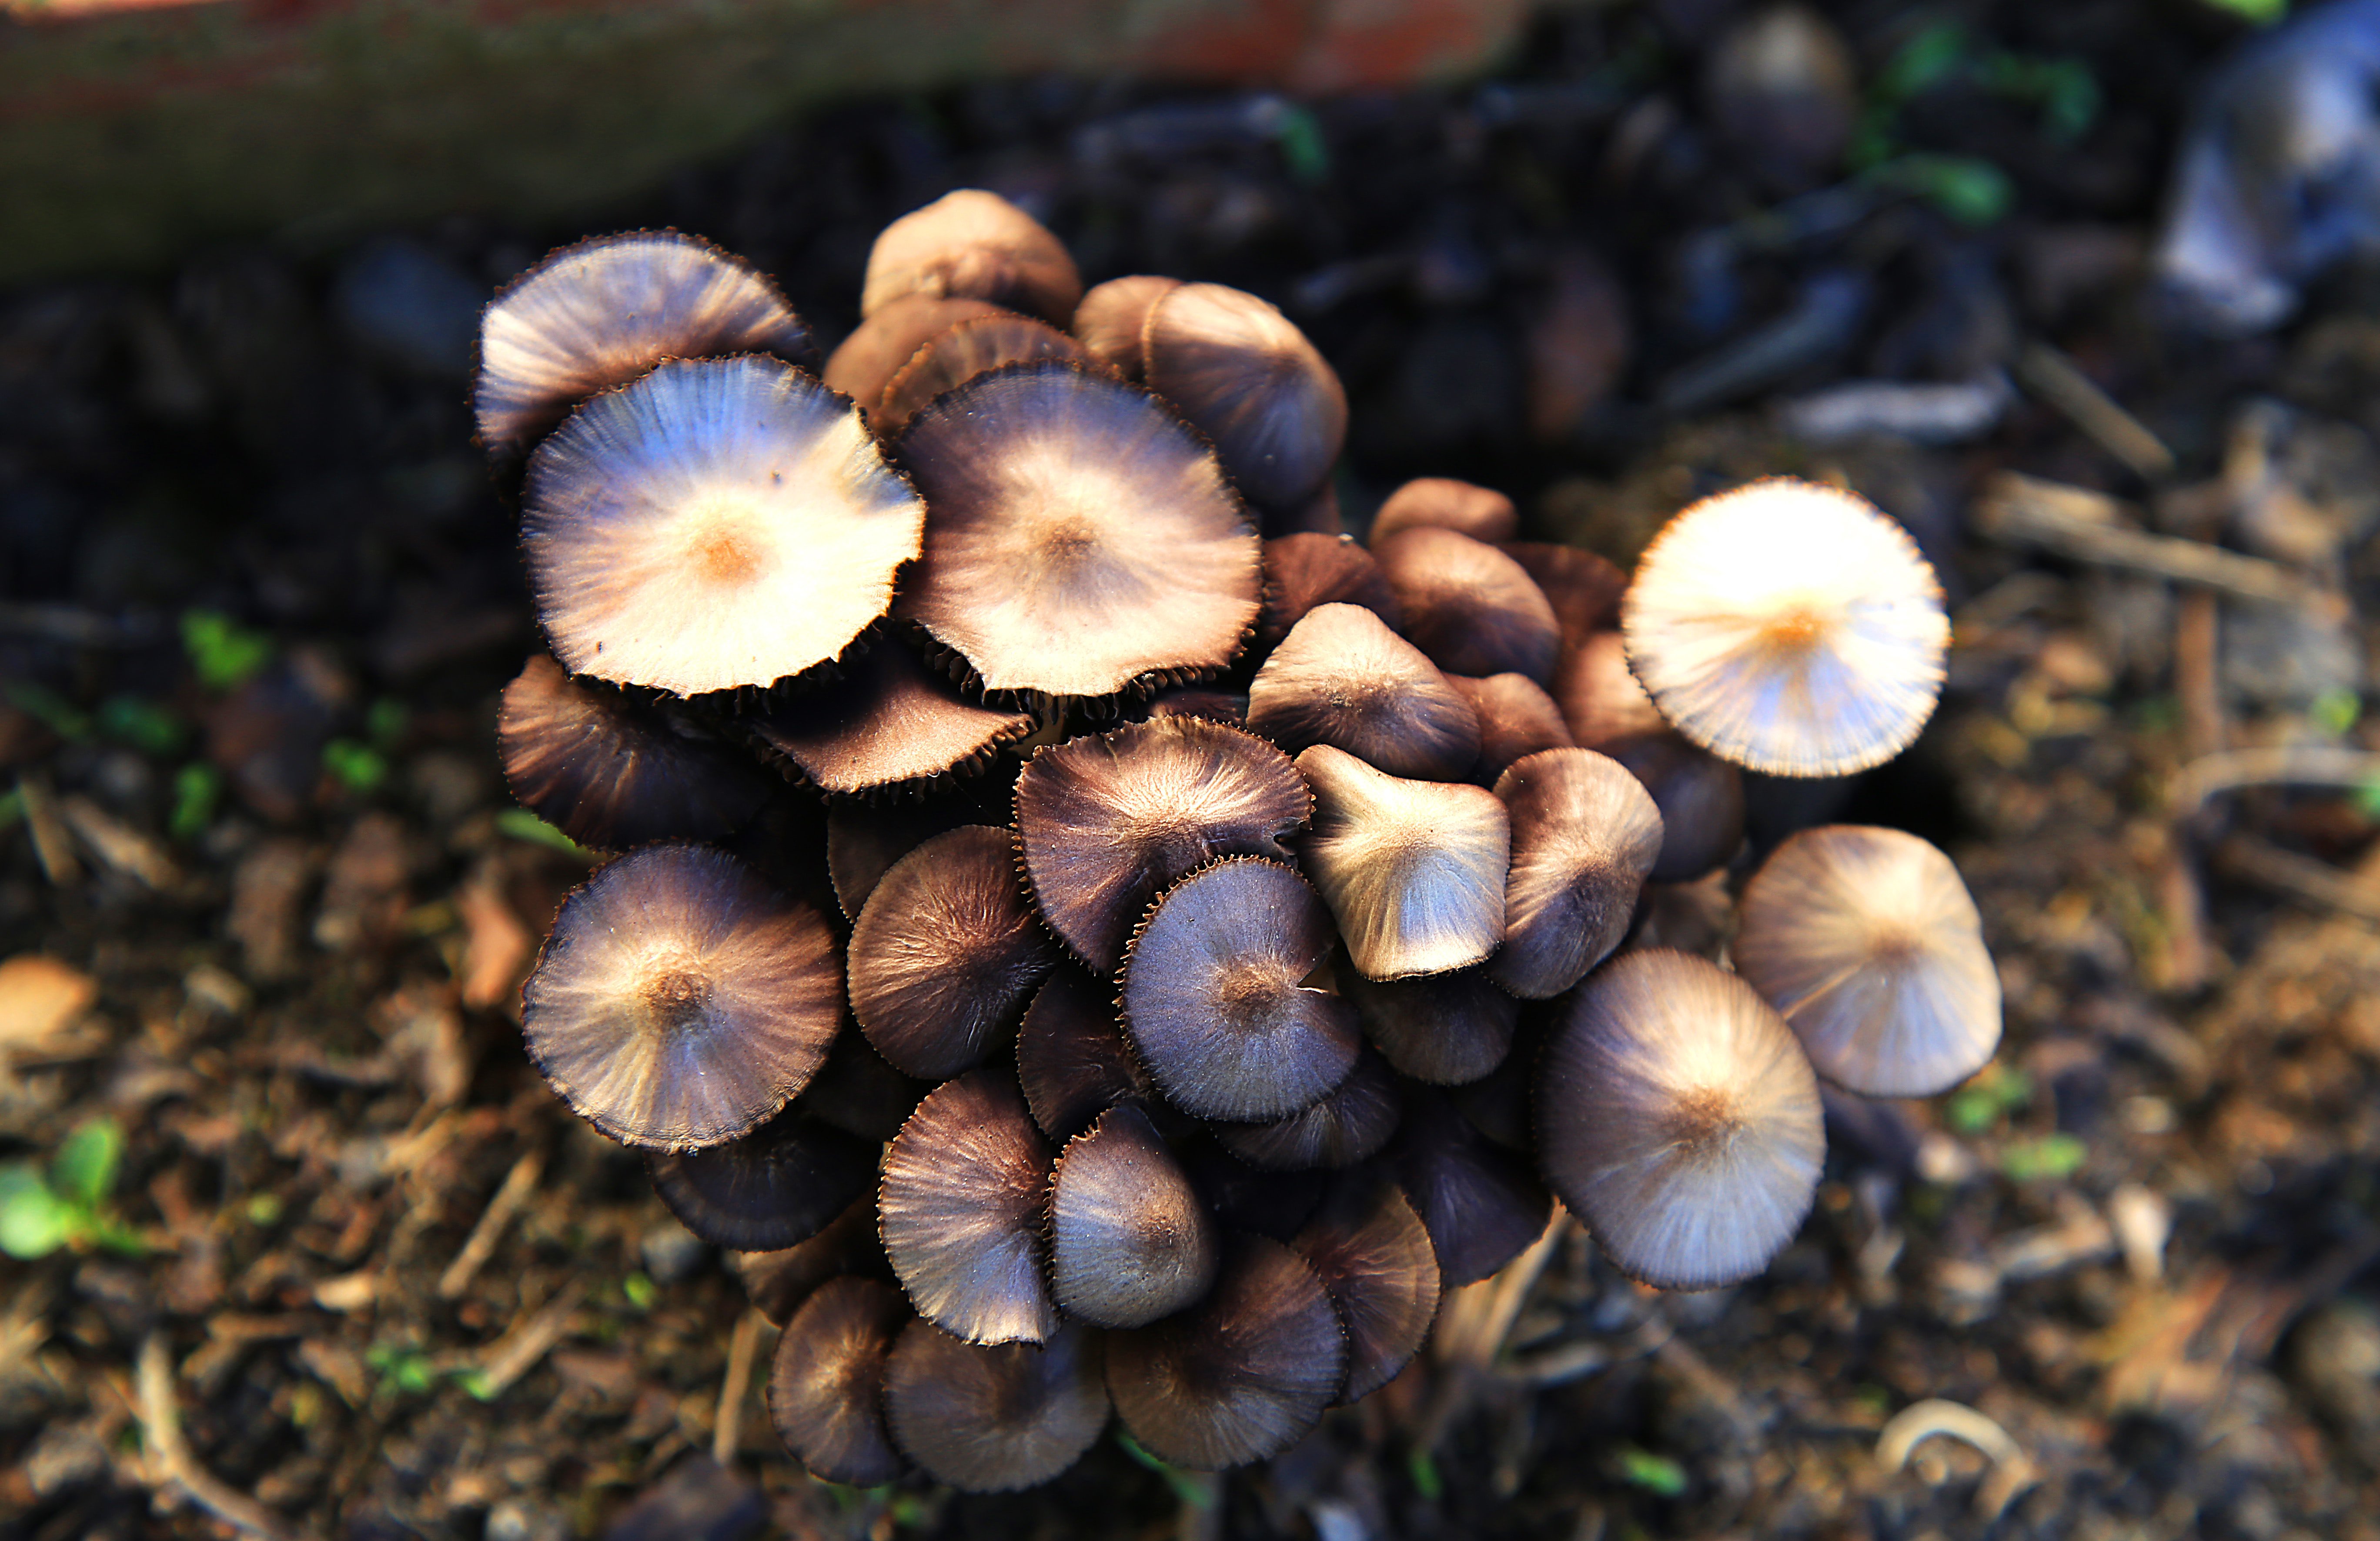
{"x": 2057, "y": 380}
{"x": 161, "y": 1437}
{"x": 52, "y": 846}
{"x": 41, "y": 998}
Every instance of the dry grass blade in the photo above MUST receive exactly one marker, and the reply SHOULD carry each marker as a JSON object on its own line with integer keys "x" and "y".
{"x": 516, "y": 1352}
{"x": 160, "y": 1431}
{"x": 2022, "y": 510}
{"x": 2053, "y": 377}
{"x": 2275, "y": 765}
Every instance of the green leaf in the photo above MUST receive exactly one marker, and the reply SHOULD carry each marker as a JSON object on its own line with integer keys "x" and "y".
{"x": 641, "y": 1292}
{"x": 222, "y": 654}
{"x": 147, "y": 727}
{"x": 2050, "y": 1158}
{"x": 1966, "y": 188}
{"x": 32, "y": 1222}
{"x": 1189, "y": 1489}
{"x": 1303, "y": 148}
{"x": 521, "y": 824}
{"x": 197, "y": 792}
{"x": 1654, "y": 1473}
{"x": 2335, "y": 711}
{"x": 2262, "y": 12}
{"x": 385, "y": 723}
{"x": 84, "y": 1171}
{"x": 1422, "y": 1467}
{"x": 1990, "y": 1095}
{"x": 358, "y": 767}
{"x": 1923, "y": 62}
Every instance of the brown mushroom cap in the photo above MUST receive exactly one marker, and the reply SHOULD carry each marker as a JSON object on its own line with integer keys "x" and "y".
{"x": 974, "y": 245}
{"x": 1679, "y": 1119}
{"x": 877, "y": 348}
{"x": 679, "y": 1001}
{"x": 1113, "y": 316}
{"x": 779, "y": 1281}
{"x": 1083, "y": 540}
{"x": 718, "y": 523}
{"x": 1306, "y": 570}
{"x": 1213, "y": 997}
{"x": 599, "y": 313}
{"x": 613, "y": 771}
{"x": 1868, "y": 945}
{"x": 1373, "y": 1256}
{"x": 1242, "y": 1375}
{"x": 1600, "y": 698}
{"x": 1471, "y": 608}
{"x": 1700, "y": 798}
{"x": 1442, "y": 502}
{"x": 1585, "y": 835}
{"x": 1583, "y": 589}
{"x": 945, "y": 954}
{"x": 1412, "y": 870}
{"x": 1072, "y": 1060}
{"x": 1482, "y": 1204}
{"x": 1243, "y": 1198}
{"x": 1350, "y": 1125}
{"x": 1516, "y": 719}
{"x": 1498, "y": 1103}
{"x": 1341, "y": 677}
{"x": 957, "y": 355}
{"x": 775, "y": 1187}
{"x": 1790, "y": 628}
{"x": 1106, "y": 822}
{"x": 826, "y": 1384}
{"x": 964, "y": 1197}
{"x": 863, "y": 840}
{"x": 1253, "y": 384}
{"x": 1446, "y": 1028}
{"x": 857, "y": 1091}
{"x": 1130, "y": 1240}
{"x": 889, "y": 725}
{"x": 992, "y": 1419}
{"x": 1198, "y": 700}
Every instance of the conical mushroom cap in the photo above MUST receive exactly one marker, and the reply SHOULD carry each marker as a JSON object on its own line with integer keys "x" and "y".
{"x": 1480, "y": 1202}
{"x": 1241, "y": 1375}
{"x": 1306, "y": 570}
{"x": 1350, "y": 1125}
{"x": 880, "y": 347}
{"x": 775, "y": 1187}
{"x": 1442, "y": 502}
{"x": 1253, "y": 384}
{"x": 779, "y": 1281}
{"x": 888, "y": 724}
{"x": 1700, "y": 798}
{"x": 1213, "y": 998}
{"x": 718, "y": 523}
{"x": 611, "y": 772}
{"x": 953, "y": 357}
{"x": 1866, "y": 942}
{"x": 945, "y": 954}
{"x": 1081, "y": 540}
{"x": 975, "y": 245}
{"x": 964, "y": 1194}
{"x": 1447, "y": 1029}
{"x": 1516, "y": 719}
{"x": 1412, "y": 870}
{"x": 1130, "y": 1240}
{"x": 1583, "y": 589}
{"x": 1106, "y": 822}
{"x": 826, "y": 1384}
{"x": 1600, "y": 700}
{"x": 1585, "y": 835}
{"x": 992, "y": 1419}
{"x": 1113, "y": 316}
{"x": 1471, "y": 608}
{"x": 599, "y": 313}
{"x": 1790, "y": 628}
{"x": 863, "y": 840}
{"x": 1072, "y": 1060}
{"x": 1341, "y": 677}
{"x": 1373, "y": 1256}
{"x": 679, "y": 1001}
{"x": 1679, "y": 1119}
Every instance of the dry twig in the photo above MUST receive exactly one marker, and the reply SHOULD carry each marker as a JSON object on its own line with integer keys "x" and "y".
{"x": 481, "y": 1245}
{"x": 161, "y": 1434}
{"x": 727, "y": 1431}
{"x": 2054, "y": 377}
{"x": 2075, "y": 522}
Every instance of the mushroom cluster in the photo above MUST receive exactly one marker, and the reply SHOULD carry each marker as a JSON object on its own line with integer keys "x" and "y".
{"x": 1096, "y": 938}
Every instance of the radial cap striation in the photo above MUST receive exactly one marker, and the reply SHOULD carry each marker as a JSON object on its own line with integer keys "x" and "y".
{"x": 1072, "y": 1060}
{"x": 1341, "y": 677}
{"x": 994, "y": 1418}
{"x": 779, "y": 1281}
{"x": 1447, "y": 1029}
{"x": 1113, "y": 318}
{"x": 1130, "y": 1241}
{"x": 1309, "y": 569}
{"x": 1585, "y": 834}
{"x": 1516, "y": 719}
{"x": 775, "y": 1187}
{"x": 1474, "y": 609}
{"x": 975, "y": 245}
{"x": 889, "y": 725}
{"x": 1482, "y": 1204}
{"x": 1373, "y": 1256}
{"x": 880, "y": 347}
{"x": 964, "y": 1197}
{"x": 826, "y": 1384}
{"x": 1412, "y": 870}
{"x": 1347, "y": 1126}
{"x": 1239, "y": 369}
{"x": 952, "y": 357}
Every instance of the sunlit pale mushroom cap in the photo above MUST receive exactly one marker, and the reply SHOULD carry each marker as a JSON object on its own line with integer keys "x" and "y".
{"x": 1585, "y": 835}
{"x": 1868, "y": 942}
{"x": 600, "y": 313}
{"x": 1341, "y": 677}
{"x": 994, "y": 1418}
{"x": 1789, "y": 628}
{"x": 1130, "y": 1240}
{"x": 975, "y": 245}
{"x": 719, "y": 523}
{"x": 1248, "y": 378}
{"x": 1413, "y": 870}
{"x": 964, "y": 1197}
{"x": 889, "y": 723}
{"x": 679, "y": 1001}
{"x": 1678, "y": 1117}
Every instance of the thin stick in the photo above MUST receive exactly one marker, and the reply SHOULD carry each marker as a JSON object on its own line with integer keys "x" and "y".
{"x": 2318, "y": 882}
{"x": 52, "y": 846}
{"x": 2055, "y": 378}
{"x": 2273, "y": 765}
{"x": 161, "y": 1433}
{"x": 2196, "y": 658}
{"x": 727, "y": 1429}
{"x": 481, "y": 1245}
{"x": 2024, "y": 510}
{"x": 516, "y": 1352}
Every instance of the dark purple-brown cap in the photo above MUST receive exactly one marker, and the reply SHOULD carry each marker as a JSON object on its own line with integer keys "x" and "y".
{"x": 679, "y": 1001}
{"x": 877, "y": 349}
{"x": 945, "y": 954}
{"x": 1680, "y": 1120}
{"x": 597, "y": 314}
{"x": 1306, "y": 570}
{"x": 1516, "y": 719}
{"x": 1583, "y": 589}
{"x": 957, "y": 355}
{"x": 717, "y": 525}
{"x": 1412, "y": 870}
{"x": 963, "y": 1199}
{"x": 1341, "y": 677}
{"x": 1243, "y": 1198}
{"x": 1214, "y": 996}
{"x": 774, "y": 1187}
{"x": 1372, "y": 1253}
{"x": 1584, "y": 835}
{"x": 1345, "y": 1127}
{"x": 992, "y": 1418}
{"x": 1442, "y": 502}
{"x": 1072, "y": 1060}
{"x": 1481, "y": 1203}
{"x": 1471, "y": 608}
{"x": 1241, "y": 1375}
{"x": 1130, "y": 1239}
{"x": 826, "y": 1384}
{"x": 1113, "y": 318}
{"x": 612, "y": 771}
{"x": 1701, "y": 801}
{"x": 1105, "y": 822}
{"x": 888, "y": 725}
{"x": 1200, "y": 701}
{"x": 857, "y": 1091}
{"x": 1445, "y": 1028}
{"x": 975, "y": 245}
{"x": 779, "y": 1281}
{"x": 863, "y": 840}
{"x": 1253, "y": 384}
{"x": 1498, "y": 1103}
{"x": 1082, "y": 542}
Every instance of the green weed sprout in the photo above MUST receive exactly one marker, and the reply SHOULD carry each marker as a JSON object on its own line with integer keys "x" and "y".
{"x": 40, "y": 1214}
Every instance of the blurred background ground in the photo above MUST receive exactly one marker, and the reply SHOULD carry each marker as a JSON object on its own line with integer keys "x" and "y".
{"x": 286, "y": 1169}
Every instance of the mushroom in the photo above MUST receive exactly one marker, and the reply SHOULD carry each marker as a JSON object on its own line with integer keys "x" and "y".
{"x": 718, "y": 523}
{"x": 1516, "y": 719}
{"x": 1679, "y": 1119}
{"x": 1198, "y": 700}
{"x": 679, "y": 1001}
{"x": 1245, "y": 1197}
{"x": 1442, "y": 502}
{"x": 1130, "y": 1240}
{"x": 1249, "y": 379}
{"x": 1373, "y": 1256}
{"x": 960, "y": 353}
{"x": 1700, "y": 798}
{"x": 1583, "y": 589}
{"x": 1867, "y": 944}
{"x": 779, "y": 1281}
{"x": 1600, "y": 698}
{"x": 1471, "y": 608}
{"x": 1789, "y": 628}
{"x": 1585, "y": 835}
{"x": 1306, "y": 570}
{"x": 973, "y": 245}
{"x": 1341, "y": 677}
{"x": 1072, "y": 1060}
{"x": 1113, "y": 317}
{"x": 1350, "y": 1125}
{"x": 863, "y": 840}
{"x": 964, "y": 1197}
{"x": 991, "y": 1419}
{"x": 857, "y": 1091}
{"x": 888, "y": 725}
{"x": 826, "y": 1384}
{"x": 1481, "y": 1203}
{"x": 1412, "y": 870}
{"x": 880, "y": 347}
{"x": 773, "y": 1188}
{"x": 1444, "y": 1028}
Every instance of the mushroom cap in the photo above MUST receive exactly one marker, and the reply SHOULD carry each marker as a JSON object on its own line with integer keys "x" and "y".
{"x": 863, "y": 840}
{"x": 958, "y": 354}
{"x": 857, "y": 1091}
{"x": 719, "y": 523}
{"x": 1447, "y": 1029}
{"x": 1341, "y": 677}
{"x": 1412, "y": 870}
{"x": 1113, "y": 317}
{"x": 1481, "y": 1203}
{"x": 1083, "y": 540}
{"x": 1679, "y": 1119}
{"x": 613, "y": 771}
{"x": 1584, "y": 835}
{"x": 975, "y": 245}
{"x": 1243, "y": 1198}
{"x": 1868, "y": 945}
{"x": 679, "y": 1001}
{"x": 1600, "y": 698}
{"x": 1442, "y": 502}
{"x": 1471, "y": 608}
{"x": 1372, "y": 1253}
{"x": 1700, "y": 798}
{"x": 865, "y": 362}
{"x": 1582, "y": 588}
{"x": 1790, "y": 628}
{"x": 1106, "y": 822}
{"x": 1241, "y": 1375}
{"x": 1516, "y": 719}
{"x": 779, "y": 1281}
{"x": 1498, "y": 1103}
{"x": 1213, "y": 997}
{"x": 599, "y": 313}
{"x": 1072, "y": 1060}
{"x": 1308, "y": 569}
{"x": 1350, "y": 1125}
{"x": 1130, "y": 1240}
{"x": 964, "y": 1197}
{"x": 945, "y": 953}
{"x": 1253, "y": 384}
{"x": 1198, "y": 700}
{"x": 888, "y": 724}
{"x": 775, "y": 1187}
{"x": 826, "y": 1383}
{"x": 992, "y": 1419}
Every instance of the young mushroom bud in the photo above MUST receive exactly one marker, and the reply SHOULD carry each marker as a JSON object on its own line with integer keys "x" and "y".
{"x": 1583, "y": 589}
{"x": 1585, "y": 835}
{"x": 1341, "y": 677}
{"x": 994, "y": 1418}
{"x": 1866, "y": 942}
{"x": 1516, "y": 719}
{"x": 1253, "y": 384}
{"x": 1442, "y": 502}
{"x": 1130, "y": 1240}
{"x": 888, "y": 725}
{"x": 775, "y": 1187}
{"x": 1446, "y": 1030}
{"x": 826, "y": 1384}
{"x": 1347, "y": 1126}
{"x": 1471, "y": 608}
{"x": 880, "y": 347}
{"x": 1413, "y": 870}
{"x": 964, "y": 1192}
{"x": 679, "y": 1001}
{"x": 953, "y": 356}
{"x": 973, "y": 245}
{"x": 1113, "y": 318}
{"x": 1480, "y": 1202}
{"x": 1678, "y": 1118}
{"x": 1373, "y": 1256}
{"x": 1302, "y": 572}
